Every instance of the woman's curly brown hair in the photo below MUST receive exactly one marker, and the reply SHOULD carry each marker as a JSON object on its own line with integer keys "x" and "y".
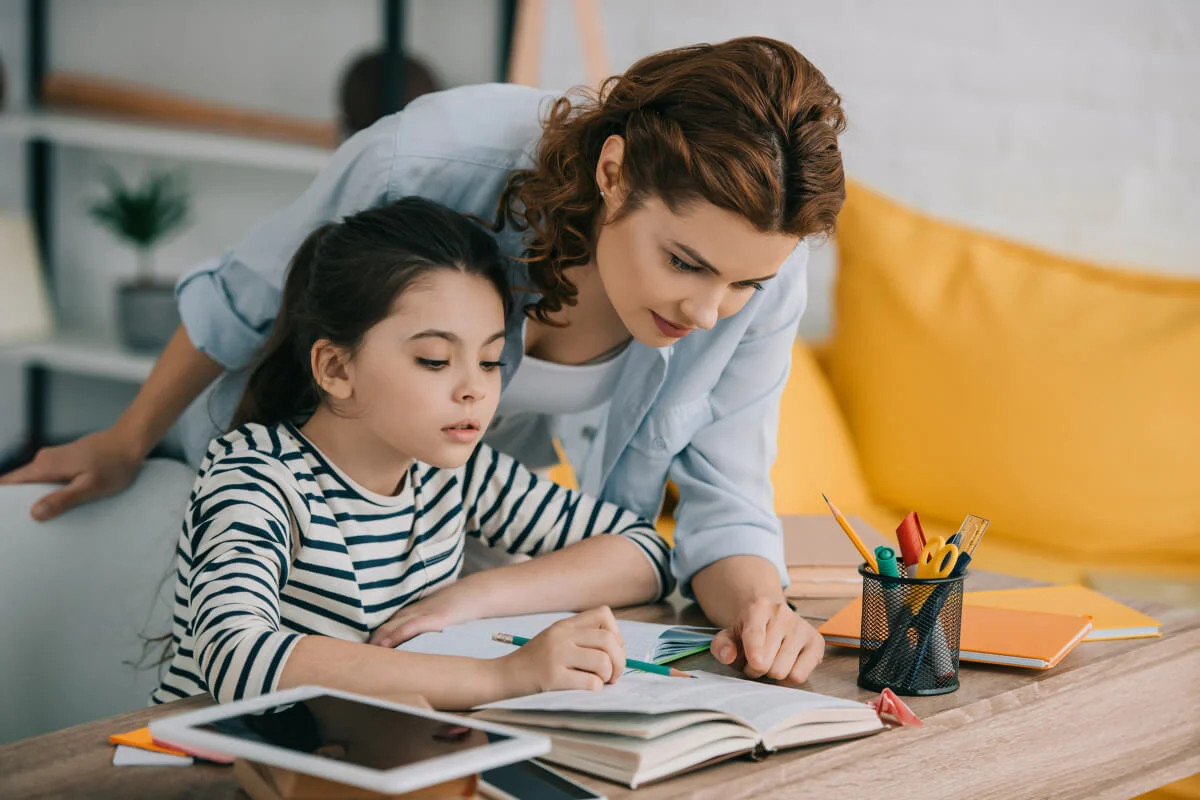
{"x": 749, "y": 125}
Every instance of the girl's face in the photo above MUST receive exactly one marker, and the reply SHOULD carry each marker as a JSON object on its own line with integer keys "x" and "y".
{"x": 426, "y": 379}
{"x": 668, "y": 273}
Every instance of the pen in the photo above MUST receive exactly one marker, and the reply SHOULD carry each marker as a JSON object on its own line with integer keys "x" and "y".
{"x": 857, "y": 542}
{"x": 631, "y": 663}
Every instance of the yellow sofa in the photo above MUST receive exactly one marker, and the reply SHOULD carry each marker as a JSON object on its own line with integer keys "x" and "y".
{"x": 969, "y": 374}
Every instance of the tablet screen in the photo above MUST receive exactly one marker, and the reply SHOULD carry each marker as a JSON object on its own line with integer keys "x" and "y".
{"x": 355, "y": 733}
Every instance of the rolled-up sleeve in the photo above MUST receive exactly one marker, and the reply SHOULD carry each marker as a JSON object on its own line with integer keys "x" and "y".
{"x": 227, "y": 304}
{"x": 726, "y": 502}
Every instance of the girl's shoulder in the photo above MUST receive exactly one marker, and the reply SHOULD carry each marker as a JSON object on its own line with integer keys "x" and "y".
{"x": 267, "y": 450}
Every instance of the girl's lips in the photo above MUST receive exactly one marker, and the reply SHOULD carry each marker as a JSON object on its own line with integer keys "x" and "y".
{"x": 670, "y": 328}
{"x": 464, "y": 432}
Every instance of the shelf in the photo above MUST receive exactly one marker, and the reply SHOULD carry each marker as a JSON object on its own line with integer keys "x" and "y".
{"x": 80, "y": 354}
{"x": 132, "y": 137}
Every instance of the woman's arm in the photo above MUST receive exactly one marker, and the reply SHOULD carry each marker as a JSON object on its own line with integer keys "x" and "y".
{"x": 227, "y": 306}
{"x": 728, "y": 543}
{"x": 104, "y": 463}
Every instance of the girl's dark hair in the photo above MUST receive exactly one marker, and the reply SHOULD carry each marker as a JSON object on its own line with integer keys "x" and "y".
{"x": 343, "y": 280}
{"x": 749, "y": 125}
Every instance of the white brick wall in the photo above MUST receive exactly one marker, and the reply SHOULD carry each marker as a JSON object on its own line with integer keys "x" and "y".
{"x": 1071, "y": 125}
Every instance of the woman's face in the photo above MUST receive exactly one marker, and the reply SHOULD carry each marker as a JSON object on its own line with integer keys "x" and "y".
{"x": 426, "y": 378}
{"x": 669, "y": 273}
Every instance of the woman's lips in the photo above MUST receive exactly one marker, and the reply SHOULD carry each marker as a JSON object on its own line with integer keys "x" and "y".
{"x": 669, "y": 328}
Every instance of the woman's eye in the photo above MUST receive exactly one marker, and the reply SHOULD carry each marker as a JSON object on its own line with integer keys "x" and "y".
{"x": 681, "y": 265}
{"x": 755, "y": 285}
{"x": 488, "y": 366}
{"x": 432, "y": 363}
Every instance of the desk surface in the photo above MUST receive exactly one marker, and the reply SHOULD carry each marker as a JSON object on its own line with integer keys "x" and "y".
{"x": 1114, "y": 719}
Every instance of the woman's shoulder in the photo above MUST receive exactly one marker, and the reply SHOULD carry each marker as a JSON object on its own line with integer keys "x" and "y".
{"x": 488, "y": 124}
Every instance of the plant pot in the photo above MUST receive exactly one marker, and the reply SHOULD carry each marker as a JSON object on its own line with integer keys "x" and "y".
{"x": 147, "y": 315}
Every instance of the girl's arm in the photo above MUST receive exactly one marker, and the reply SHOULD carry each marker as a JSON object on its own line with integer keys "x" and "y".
{"x": 508, "y": 506}
{"x": 237, "y": 551}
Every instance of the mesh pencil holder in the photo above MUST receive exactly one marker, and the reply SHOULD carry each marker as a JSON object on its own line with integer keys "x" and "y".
{"x": 911, "y": 628}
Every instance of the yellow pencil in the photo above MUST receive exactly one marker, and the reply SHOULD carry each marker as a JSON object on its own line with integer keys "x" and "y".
{"x": 857, "y": 542}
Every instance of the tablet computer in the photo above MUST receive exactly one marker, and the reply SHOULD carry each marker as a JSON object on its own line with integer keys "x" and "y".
{"x": 348, "y": 738}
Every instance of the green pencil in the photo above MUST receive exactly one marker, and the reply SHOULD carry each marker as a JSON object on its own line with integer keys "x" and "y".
{"x": 631, "y": 663}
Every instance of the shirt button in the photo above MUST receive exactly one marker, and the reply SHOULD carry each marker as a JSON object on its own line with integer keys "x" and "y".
{"x": 589, "y": 433}
{"x": 660, "y": 443}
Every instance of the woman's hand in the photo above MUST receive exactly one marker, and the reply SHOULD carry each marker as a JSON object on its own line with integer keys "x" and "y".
{"x": 585, "y": 651}
{"x": 96, "y": 466}
{"x": 770, "y": 639}
{"x": 450, "y": 606}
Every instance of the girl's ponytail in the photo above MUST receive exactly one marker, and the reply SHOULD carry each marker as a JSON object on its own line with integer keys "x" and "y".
{"x": 281, "y": 386}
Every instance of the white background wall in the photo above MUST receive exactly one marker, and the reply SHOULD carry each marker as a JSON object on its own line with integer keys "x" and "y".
{"x": 1074, "y": 125}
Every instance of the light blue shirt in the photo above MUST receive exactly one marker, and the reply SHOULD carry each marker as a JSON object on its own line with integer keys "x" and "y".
{"x": 703, "y": 412}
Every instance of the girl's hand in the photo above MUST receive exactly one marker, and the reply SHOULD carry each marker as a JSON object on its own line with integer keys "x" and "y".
{"x": 450, "y": 606}
{"x": 770, "y": 639}
{"x": 95, "y": 466}
{"x": 581, "y": 652}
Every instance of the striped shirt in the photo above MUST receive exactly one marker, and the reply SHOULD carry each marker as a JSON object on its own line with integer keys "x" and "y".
{"x": 278, "y": 543}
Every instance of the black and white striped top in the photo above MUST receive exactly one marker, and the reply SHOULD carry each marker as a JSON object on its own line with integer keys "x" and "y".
{"x": 278, "y": 543}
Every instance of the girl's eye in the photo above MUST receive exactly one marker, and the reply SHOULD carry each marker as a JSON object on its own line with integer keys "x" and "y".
{"x": 431, "y": 363}
{"x": 681, "y": 265}
{"x": 488, "y": 366}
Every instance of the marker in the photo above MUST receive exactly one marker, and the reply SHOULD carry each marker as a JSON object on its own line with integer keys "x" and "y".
{"x": 886, "y": 557}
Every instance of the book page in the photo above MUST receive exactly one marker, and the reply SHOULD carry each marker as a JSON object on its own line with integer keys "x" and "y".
{"x": 760, "y": 706}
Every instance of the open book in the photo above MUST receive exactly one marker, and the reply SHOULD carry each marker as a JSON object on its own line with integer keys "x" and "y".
{"x": 646, "y": 727}
{"x": 644, "y": 641}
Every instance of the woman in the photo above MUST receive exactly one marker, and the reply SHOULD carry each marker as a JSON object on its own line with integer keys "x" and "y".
{"x": 657, "y": 237}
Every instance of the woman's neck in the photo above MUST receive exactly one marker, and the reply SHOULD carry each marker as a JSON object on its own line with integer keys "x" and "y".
{"x": 357, "y": 451}
{"x": 592, "y": 325}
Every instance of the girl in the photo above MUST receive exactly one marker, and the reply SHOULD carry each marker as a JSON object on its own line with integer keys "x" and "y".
{"x": 354, "y": 474}
{"x": 659, "y": 229}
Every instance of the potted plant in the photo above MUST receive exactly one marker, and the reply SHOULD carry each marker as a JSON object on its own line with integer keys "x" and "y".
{"x": 143, "y": 216}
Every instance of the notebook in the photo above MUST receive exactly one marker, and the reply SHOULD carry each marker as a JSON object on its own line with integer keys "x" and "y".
{"x": 644, "y": 641}
{"x": 647, "y": 727}
{"x": 821, "y": 560}
{"x": 1110, "y": 619}
{"x": 1009, "y": 637}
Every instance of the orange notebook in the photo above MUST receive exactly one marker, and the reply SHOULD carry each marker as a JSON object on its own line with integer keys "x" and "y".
{"x": 989, "y": 635}
{"x": 1110, "y": 619}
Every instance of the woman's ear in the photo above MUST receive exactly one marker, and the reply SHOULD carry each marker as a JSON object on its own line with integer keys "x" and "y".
{"x": 608, "y": 171}
{"x": 330, "y": 366}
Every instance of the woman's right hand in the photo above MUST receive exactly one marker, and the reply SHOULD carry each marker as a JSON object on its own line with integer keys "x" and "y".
{"x": 96, "y": 466}
{"x": 581, "y": 652}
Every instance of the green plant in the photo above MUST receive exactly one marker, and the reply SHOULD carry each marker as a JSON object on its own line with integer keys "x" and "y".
{"x": 143, "y": 215}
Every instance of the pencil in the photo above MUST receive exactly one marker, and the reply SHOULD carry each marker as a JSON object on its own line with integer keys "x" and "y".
{"x": 857, "y": 542}
{"x": 631, "y": 663}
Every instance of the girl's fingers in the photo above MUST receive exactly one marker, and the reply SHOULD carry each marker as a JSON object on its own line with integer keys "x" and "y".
{"x": 609, "y": 645}
{"x": 793, "y": 644}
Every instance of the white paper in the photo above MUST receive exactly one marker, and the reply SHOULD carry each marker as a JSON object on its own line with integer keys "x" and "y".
{"x": 644, "y": 641}
{"x": 126, "y": 756}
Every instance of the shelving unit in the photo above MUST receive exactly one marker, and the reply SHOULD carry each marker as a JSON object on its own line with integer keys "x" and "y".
{"x": 41, "y": 131}
{"x": 130, "y": 137}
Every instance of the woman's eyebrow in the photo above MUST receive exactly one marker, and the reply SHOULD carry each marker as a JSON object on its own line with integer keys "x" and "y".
{"x": 699, "y": 260}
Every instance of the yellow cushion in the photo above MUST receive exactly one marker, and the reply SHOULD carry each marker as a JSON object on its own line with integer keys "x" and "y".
{"x": 815, "y": 451}
{"x": 1057, "y": 398}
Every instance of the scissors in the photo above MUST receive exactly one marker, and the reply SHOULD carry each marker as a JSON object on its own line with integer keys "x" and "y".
{"x": 937, "y": 559}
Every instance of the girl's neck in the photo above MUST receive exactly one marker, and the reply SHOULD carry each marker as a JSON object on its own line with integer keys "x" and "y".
{"x": 357, "y": 451}
{"x": 592, "y": 324}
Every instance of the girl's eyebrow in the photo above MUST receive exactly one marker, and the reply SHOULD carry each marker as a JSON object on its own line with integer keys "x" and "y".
{"x": 453, "y": 338}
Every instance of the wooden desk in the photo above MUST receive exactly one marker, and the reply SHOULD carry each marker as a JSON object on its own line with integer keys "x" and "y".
{"x": 1114, "y": 719}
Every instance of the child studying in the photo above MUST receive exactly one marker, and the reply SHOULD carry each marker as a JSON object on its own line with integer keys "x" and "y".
{"x": 332, "y": 517}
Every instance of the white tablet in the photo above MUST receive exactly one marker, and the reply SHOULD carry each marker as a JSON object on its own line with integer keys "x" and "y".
{"x": 352, "y": 739}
